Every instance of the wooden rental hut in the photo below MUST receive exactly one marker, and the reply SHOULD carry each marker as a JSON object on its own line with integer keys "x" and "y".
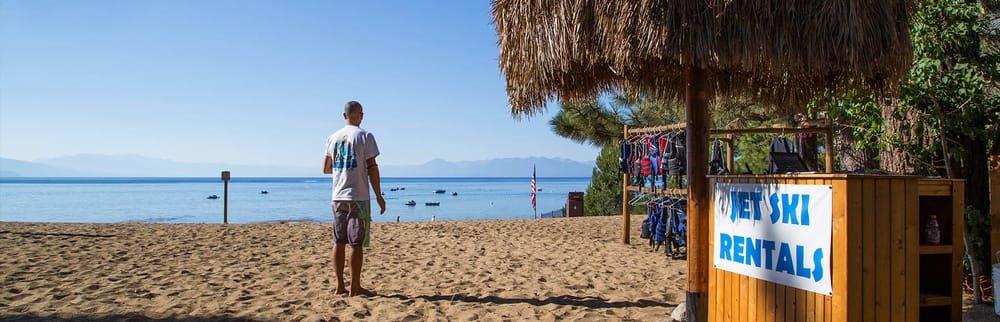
{"x": 778, "y": 53}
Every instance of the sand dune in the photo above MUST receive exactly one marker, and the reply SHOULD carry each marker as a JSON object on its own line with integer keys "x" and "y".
{"x": 553, "y": 269}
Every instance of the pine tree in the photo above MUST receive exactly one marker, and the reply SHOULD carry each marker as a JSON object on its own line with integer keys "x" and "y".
{"x": 604, "y": 194}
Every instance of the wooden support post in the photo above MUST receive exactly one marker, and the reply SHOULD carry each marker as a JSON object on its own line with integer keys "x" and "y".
{"x": 730, "y": 161}
{"x": 225, "y": 202}
{"x": 626, "y": 220}
{"x": 828, "y": 147}
{"x": 698, "y": 194}
{"x": 225, "y": 197}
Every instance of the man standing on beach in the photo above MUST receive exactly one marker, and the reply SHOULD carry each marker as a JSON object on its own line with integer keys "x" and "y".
{"x": 350, "y": 158}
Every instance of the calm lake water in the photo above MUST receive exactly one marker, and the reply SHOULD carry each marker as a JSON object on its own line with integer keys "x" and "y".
{"x": 183, "y": 200}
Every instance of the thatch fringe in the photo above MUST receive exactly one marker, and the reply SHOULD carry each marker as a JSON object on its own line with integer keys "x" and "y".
{"x": 776, "y": 52}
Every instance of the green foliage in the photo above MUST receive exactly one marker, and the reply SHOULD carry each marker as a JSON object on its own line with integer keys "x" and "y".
{"x": 753, "y": 151}
{"x": 588, "y": 122}
{"x": 604, "y": 194}
{"x": 950, "y": 89}
{"x": 949, "y": 98}
{"x": 600, "y": 123}
{"x": 856, "y": 110}
{"x": 952, "y": 86}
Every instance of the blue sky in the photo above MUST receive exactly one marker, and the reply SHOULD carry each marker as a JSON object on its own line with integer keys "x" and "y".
{"x": 258, "y": 82}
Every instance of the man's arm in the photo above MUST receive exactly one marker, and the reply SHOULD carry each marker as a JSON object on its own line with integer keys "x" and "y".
{"x": 376, "y": 180}
{"x": 328, "y": 165}
{"x": 328, "y": 160}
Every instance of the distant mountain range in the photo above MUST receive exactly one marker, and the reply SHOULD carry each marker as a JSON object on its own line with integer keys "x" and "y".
{"x": 505, "y": 167}
{"x": 96, "y": 165}
{"x": 18, "y": 168}
{"x": 99, "y": 165}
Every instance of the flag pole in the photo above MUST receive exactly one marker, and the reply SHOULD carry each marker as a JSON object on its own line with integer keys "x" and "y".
{"x": 534, "y": 189}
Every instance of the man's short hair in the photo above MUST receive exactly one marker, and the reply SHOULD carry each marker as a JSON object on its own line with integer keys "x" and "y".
{"x": 351, "y": 107}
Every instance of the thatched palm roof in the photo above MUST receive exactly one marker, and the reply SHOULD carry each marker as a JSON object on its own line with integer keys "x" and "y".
{"x": 772, "y": 51}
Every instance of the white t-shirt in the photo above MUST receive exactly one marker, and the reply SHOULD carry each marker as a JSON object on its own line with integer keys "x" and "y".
{"x": 350, "y": 148}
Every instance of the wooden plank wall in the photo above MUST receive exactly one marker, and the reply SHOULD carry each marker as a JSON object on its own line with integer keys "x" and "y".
{"x": 875, "y": 260}
{"x": 957, "y": 235}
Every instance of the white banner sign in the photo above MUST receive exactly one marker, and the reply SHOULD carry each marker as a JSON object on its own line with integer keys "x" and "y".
{"x": 775, "y": 232}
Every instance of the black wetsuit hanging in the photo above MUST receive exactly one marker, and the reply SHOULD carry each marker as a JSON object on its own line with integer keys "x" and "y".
{"x": 784, "y": 157}
{"x": 677, "y": 163}
{"x": 716, "y": 166}
{"x": 624, "y": 156}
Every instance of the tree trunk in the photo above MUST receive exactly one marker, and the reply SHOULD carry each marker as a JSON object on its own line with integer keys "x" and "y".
{"x": 852, "y": 157}
{"x": 977, "y": 186}
{"x": 972, "y": 164}
{"x": 977, "y": 175}
{"x": 894, "y": 158}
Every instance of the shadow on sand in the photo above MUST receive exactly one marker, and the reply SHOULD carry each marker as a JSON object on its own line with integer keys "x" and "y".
{"x": 588, "y": 302}
{"x": 119, "y": 317}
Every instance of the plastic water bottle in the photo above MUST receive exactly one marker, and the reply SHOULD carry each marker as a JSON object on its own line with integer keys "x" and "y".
{"x": 932, "y": 231}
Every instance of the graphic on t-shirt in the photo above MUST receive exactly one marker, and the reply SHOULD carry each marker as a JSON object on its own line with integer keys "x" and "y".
{"x": 345, "y": 156}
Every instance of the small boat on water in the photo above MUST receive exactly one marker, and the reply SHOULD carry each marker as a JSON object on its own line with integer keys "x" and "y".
{"x": 440, "y": 191}
{"x": 394, "y": 189}
{"x": 402, "y": 188}
{"x": 213, "y": 197}
{"x": 264, "y": 192}
{"x": 454, "y": 193}
{"x": 432, "y": 204}
{"x": 411, "y": 203}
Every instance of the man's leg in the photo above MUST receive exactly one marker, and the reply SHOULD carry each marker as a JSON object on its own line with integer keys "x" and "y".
{"x": 357, "y": 259}
{"x": 338, "y": 267}
{"x": 339, "y": 241}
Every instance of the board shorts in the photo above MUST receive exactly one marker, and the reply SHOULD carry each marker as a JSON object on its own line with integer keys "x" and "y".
{"x": 351, "y": 222}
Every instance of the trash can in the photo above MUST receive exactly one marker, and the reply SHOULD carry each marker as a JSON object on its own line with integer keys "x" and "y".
{"x": 574, "y": 205}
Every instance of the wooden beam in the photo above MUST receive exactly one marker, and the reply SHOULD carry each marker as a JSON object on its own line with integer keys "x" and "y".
{"x": 828, "y": 149}
{"x": 698, "y": 193}
{"x": 770, "y": 130}
{"x": 654, "y": 129}
{"x": 730, "y": 161}
{"x": 663, "y": 191}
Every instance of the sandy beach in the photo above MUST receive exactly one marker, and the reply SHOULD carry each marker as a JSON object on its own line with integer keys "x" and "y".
{"x": 551, "y": 269}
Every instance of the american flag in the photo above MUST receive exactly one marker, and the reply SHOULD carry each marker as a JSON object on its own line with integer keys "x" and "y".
{"x": 534, "y": 187}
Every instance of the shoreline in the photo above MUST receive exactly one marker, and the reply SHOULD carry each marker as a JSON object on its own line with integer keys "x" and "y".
{"x": 284, "y": 221}
{"x": 520, "y": 269}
